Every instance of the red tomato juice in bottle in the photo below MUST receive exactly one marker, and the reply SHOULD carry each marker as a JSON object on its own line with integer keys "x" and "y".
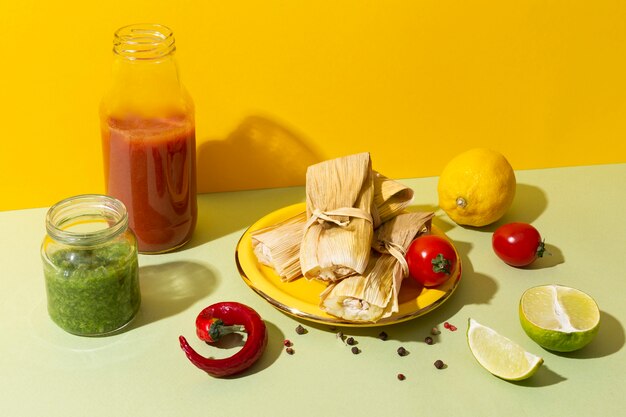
{"x": 149, "y": 165}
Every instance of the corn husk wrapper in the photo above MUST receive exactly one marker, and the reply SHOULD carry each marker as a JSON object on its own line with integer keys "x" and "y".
{"x": 373, "y": 295}
{"x": 390, "y": 197}
{"x": 341, "y": 214}
{"x": 278, "y": 246}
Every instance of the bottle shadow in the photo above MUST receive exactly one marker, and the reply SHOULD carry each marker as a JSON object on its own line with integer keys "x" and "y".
{"x": 260, "y": 153}
{"x": 261, "y": 156}
{"x": 170, "y": 288}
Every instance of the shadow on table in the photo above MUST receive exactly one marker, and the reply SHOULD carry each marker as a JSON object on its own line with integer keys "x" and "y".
{"x": 543, "y": 378}
{"x": 610, "y": 339}
{"x": 551, "y": 257}
{"x": 170, "y": 288}
{"x": 271, "y": 354}
{"x": 530, "y": 201}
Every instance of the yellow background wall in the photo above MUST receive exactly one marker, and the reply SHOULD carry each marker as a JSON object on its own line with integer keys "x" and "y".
{"x": 279, "y": 85}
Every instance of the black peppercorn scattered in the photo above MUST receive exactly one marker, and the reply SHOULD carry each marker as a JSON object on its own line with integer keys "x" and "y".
{"x": 402, "y": 351}
{"x": 350, "y": 341}
{"x": 401, "y": 377}
{"x": 429, "y": 340}
{"x": 383, "y": 336}
{"x": 300, "y": 329}
{"x": 355, "y": 350}
{"x": 290, "y": 350}
{"x": 439, "y": 364}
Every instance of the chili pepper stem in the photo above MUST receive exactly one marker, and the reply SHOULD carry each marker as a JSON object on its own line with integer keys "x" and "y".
{"x": 224, "y": 330}
{"x": 218, "y": 329}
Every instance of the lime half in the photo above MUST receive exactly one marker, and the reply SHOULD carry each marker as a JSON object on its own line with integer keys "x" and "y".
{"x": 499, "y": 355}
{"x": 559, "y": 318}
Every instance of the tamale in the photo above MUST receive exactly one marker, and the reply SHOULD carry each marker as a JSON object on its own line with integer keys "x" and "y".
{"x": 278, "y": 246}
{"x": 340, "y": 211}
{"x": 361, "y": 297}
{"x": 373, "y": 295}
{"x": 393, "y": 238}
{"x": 390, "y": 197}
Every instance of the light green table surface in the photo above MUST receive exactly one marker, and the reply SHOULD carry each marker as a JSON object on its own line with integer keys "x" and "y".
{"x": 142, "y": 371}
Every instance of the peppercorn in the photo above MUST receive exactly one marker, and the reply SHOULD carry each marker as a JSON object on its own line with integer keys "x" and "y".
{"x": 289, "y": 350}
{"x": 350, "y": 341}
{"x": 382, "y": 336}
{"x": 355, "y": 350}
{"x": 435, "y": 331}
{"x": 439, "y": 364}
{"x": 287, "y": 342}
{"x": 429, "y": 340}
{"x": 300, "y": 329}
{"x": 401, "y": 377}
{"x": 402, "y": 351}
{"x": 449, "y": 326}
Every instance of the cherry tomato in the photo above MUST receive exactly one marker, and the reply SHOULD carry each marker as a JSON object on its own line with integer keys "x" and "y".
{"x": 431, "y": 260}
{"x": 517, "y": 244}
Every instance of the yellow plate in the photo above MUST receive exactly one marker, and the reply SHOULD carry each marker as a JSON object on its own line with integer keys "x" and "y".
{"x": 300, "y": 298}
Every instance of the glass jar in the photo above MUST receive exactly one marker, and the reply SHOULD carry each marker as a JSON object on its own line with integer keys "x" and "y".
{"x": 90, "y": 265}
{"x": 148, "y": 139}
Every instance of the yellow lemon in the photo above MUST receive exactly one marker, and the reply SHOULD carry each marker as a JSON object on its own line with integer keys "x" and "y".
{"x": 559, "y": 318}
{"x": 476, "y": 187}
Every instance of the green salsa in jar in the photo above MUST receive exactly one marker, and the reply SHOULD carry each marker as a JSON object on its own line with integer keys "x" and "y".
{"x": 90, "y": 266}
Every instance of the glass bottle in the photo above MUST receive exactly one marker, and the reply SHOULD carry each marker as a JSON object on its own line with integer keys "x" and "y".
{"x": 90, "y": 265}
{"x": 148, "y": 139}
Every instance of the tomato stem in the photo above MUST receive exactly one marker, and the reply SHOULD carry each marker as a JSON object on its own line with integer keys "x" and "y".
{"x": 441, "y": 264}
{"x": 541, "y": 249}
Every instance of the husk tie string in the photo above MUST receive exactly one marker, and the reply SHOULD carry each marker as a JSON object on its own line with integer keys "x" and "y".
{"x": 325, "y": 216}
{"x": 399, "y": 253}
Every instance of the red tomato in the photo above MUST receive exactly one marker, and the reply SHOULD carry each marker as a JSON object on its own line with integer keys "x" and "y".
{"x": 431, "y": 260}
{"x": 517, "y": 244}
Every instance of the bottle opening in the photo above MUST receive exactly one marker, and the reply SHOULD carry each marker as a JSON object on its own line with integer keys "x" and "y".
{"x": 144, "y": 41}
{"x": 86, "y": 220}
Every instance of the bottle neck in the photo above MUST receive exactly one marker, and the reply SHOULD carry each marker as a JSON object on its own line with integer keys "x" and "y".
{"x": 142, "y": 42}
{"x": 145, "y": 78}
{"x": 144, "y": 56}
{"x": 86, "y": 220}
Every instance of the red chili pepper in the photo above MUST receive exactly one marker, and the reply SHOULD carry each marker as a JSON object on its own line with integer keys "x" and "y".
{"x": 233, "y": 317}
{"x": 211, "y": 329}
